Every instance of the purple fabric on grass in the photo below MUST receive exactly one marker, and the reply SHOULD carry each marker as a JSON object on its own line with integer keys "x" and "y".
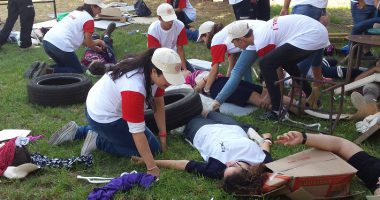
{"x": 125, "y": 182}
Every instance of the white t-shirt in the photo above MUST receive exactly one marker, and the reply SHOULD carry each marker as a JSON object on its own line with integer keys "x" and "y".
{"x": 232, "y": 2}
{"x": 298, "y": 30}
{"x": 110, "y": 100}
{"x": 315, "y": 3}
{"x": 226, "y": 143}
{"x": 68, "y": 34}
{"x": 158, "y": 37}
{"x": 190, "y": 11}
{"x": 220, "y": 45}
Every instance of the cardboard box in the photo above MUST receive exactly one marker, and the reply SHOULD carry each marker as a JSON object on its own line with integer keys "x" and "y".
{"x": 316, "y": 174}
{"x": 111, "y": 12}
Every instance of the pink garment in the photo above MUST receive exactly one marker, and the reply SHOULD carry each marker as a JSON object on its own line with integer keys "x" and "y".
{"x": 34, "y": 138}
{"x": 7, "y": 153}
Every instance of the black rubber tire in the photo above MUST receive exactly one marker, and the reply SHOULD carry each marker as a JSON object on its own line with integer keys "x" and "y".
{"x": 59, "y": 89}
{"x": 180, "y": 106}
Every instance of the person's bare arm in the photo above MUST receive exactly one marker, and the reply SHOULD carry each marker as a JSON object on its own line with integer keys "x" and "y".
{"x": 285, "y": 8}
{"x": 181, "y": 53}
{"x": 170, "y": 164}
{"x": 340, "y": 146}
{"x": 144, "y": 150}
{"x": 159, "y": 116}
{"x": 266, "y": 144}
{"x": 231, "y": 63}
{"x": 211, "y": 77}
{"x": 361, "y": 4}
{"x": 96, "y": 45}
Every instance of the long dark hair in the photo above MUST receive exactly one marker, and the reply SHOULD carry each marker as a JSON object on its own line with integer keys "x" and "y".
{"x": 87, "y": 8}
{"x": 247, "y": 182}
{"x": 135, "y": 61}
{"x": 215, "y": 29}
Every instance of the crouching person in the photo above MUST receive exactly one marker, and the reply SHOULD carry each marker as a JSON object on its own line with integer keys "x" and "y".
{"x": 115, "y": 107}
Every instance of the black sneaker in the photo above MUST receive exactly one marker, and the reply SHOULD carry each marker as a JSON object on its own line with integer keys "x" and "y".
{"x": 33, "y": 67}
{"x": 270, "y": 115}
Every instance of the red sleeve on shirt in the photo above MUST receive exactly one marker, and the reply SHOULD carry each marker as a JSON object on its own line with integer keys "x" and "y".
{"x": 182, "y": 38}
{"x": 159, "y": 92}
{"x": 261, "y": 52}
{"x": 89, "y": 26}
{"x": 217, "y": 53}
{"x": 182, "y": 4}
{"x": 132, "y": 106}
{"x": 153, "y": 42}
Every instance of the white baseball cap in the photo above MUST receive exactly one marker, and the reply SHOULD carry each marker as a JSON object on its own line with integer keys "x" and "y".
{"x": 96, "y": 2}
{"x": 237, "y": 29}
{"x": 166, "y": 12}
{"x": 205, "y": 28}
{"x": 169, "y": 62}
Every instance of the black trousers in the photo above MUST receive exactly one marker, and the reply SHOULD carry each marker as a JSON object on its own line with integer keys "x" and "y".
{"x": 24, "y": 9}
{"x": 246, "y": 10}
{"x": 286, "y": 56}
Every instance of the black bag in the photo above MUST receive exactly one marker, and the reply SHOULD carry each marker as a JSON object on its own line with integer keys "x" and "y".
{"x": 142, "y": 9}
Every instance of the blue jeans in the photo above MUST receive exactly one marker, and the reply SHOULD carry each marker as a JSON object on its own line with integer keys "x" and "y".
{"x": 308, "y": 10}
{"x": 66, "y": 62}
{"x": 115, "y": 138}
{"x": 362, "y": 26}
{"x": 242, "y": 67}
{"x": 192, "y": 35}
{"x": 314, "y": 60}
{"x": 359, "y": 15}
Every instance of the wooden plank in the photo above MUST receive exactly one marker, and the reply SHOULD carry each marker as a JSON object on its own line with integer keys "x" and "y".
{"x": 359, "y": 83}
{"x": 368, "y": 133}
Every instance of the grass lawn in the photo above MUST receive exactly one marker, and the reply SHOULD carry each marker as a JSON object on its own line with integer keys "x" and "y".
{"x": 48, "y": 183}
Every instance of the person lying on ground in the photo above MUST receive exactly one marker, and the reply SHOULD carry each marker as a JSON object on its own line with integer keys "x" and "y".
{"x": 61, "y": 41}
{"x": 245, "y": 93}
{"x": 368, "y": 166}
{"x": 115, "y": 107}
{"x": 97, "y": 63}
{"x": 240, "y": 63}
{"x": 227, "y": 151}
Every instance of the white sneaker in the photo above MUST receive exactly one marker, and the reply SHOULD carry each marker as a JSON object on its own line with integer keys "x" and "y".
{"x": 64, "y": 134}
{"x": 253, "y": 135}
{"x": 89, "y": 144}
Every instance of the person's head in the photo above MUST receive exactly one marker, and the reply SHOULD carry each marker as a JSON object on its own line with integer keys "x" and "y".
{"x": 196, "y": 78}
{"x": 240, "y": 34}
{"x": 207, "y": 30}
{"x": 166, "y": 15}
{"x": 161, "y": 66}
{"x": 242, "y": 178}
{"x": 93, "y": 7}
{"x": 97, "y": 68}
